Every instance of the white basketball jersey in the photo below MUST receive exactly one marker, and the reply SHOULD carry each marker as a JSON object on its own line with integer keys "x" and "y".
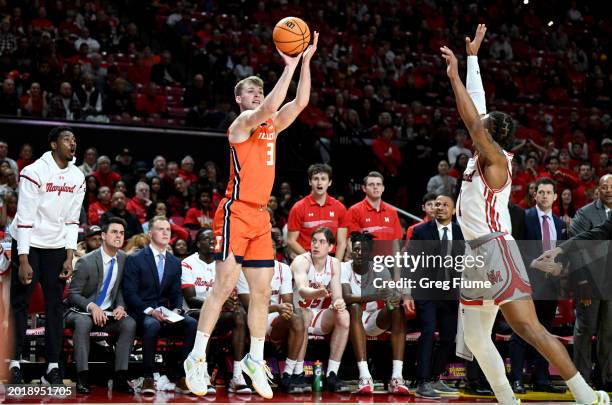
{"x": 480, "y": 209}
{"x": 322, "y": 278}
{"x": 281, "y": 283}
{"x": 348, "y": 276}
{"x": 198, "y": 274}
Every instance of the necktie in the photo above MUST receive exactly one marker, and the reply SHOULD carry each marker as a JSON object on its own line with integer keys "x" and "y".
{"x": 107, "y": 280}
{"x": 545, "y": 233}
{"x": 160, "y": 268}
{"x": 445, "y": 241}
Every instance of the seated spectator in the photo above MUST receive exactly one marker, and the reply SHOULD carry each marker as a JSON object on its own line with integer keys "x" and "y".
{"x": 121, "y": 187}
{"x": 459, "y": 166}
{"x": 123, "y": 166}
{"x": 140, "y": 202}
{"x": 82, "y": 57}
{"x": 202, "y": 214}
{"x": 4, "y": 149}
{"x": 243, "y": 69}
{"x": 119, "y": 100}
{"x": 139, "y": 72}
{"x": 159, "y": 167}
{"x": 130, "y": 41}
{"x": 442, "y": 183}
{"x": 196, "y": 92}
{"x": 150, "y": 104}
{"x": 170, "y": 175}
{"x": 159, "y": 208}
{"x": 89, "y": 96}
{"x": 165, "y": 73}
{"x": 136, "y": 243}
{"x": 180, "y": 249}
{"x": 145, "y": 294}
{"x": 8, "y": 98}
{"x": 180, "y": 199}
{"x": 100, "y": 206}
{"x": 96, "y": 69}
{"x": 8, "y": 41}
{"x": 199, "y": 116}
{"x": 34, "y": 102}
{"x": 42, "y": 22}
{"x": 186, "y": 171}
{"x": 118, "y": 210}
{"x": 91, "y": 191}
{"x": 92, "y": 241}
{"x": 26, "y": 157}
{"x": 104, "y": 174}
{"x": 92, "y": 44}
{"x": 389, "y": 158}
{"x": 459, "y": 147}
{"x": 156, "y": 188}
{"x": 89, "y": 161}
{"x": 66, "y": 105}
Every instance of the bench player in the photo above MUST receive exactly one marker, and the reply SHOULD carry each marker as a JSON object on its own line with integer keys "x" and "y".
{"x": 242, "y": 223}
{"x": 372, "y": 317}
{"x": 482, "y": 213}
{"x": 319, "y": 295}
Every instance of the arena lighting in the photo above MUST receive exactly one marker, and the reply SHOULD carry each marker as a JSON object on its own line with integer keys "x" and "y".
{"x": 525, "y": 2}
{"x": 550, "y": 23}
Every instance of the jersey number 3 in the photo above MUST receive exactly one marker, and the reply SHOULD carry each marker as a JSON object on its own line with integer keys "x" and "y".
{"x": 270, "y": 153}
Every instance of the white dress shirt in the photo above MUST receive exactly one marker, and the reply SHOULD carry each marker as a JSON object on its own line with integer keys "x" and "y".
{"x": 449, "y": 233}
{"x": 551, "y": 225}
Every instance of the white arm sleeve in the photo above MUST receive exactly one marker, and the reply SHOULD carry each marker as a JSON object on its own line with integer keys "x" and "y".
{"x": 72, "y": 224}
{"x": 473, "y": 84}
{"x": 29, "y": 198}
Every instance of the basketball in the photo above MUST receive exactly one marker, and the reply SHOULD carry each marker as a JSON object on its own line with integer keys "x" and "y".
{"x": 291, "y": 35}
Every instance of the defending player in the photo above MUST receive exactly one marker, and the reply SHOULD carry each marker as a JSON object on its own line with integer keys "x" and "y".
{"x": 371, "y": 317}
{"x": 285, "y": 324}
{"x": 317, "y": 286}
{"x": 485, "y": 222}
{"x": 242, "y": 223}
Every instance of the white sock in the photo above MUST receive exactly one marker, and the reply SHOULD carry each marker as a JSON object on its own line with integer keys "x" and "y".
{"x": 14, "y": 363}
{"x": 332, "y": 365}
{"x": 290, "y": 366}
{"x": 257, "y": 348}
{"x": 51, "y": 366}
{"x": 583, "y": 393}
{"x": 504, "y": 394}
{"x": 299, "y": 367}
{"x": 199, "y": 347}
{"x": 363, "y": 369}
{"x": 237, "y": 369}
{"x": 398, "y": 366}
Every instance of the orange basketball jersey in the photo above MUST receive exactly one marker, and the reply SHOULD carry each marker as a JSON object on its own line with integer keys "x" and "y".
{"x": 252, "y": 165}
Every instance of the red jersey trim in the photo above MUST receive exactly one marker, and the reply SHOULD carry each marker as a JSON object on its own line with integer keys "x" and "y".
{"x": 183, "y": 286}
{"x": 29, "y": 178}
{"x": 484, "y": 179}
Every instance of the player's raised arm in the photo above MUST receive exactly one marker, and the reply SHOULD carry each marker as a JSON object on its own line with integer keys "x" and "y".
{"x": 262, "y": 108}
{"x": 291, "y": 110}
{"x": 487, "y": 148}
{"x": 473, "y": 81}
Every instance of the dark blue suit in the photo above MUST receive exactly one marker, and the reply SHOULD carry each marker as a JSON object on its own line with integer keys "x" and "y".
{"x": 545, "y": 296}
{"x": 441, "y": 309}
{"x": 142, "y": 289}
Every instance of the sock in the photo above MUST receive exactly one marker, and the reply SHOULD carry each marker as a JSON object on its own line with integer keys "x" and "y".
{"x": 363, "y": 369}
{"x": 583, "y": 393}
{"x": 299, "y": 367}
{"x": 257, "y": 348}
{"x": 199, "y": 347}
{"x": 14, "y": 363}
{"x": 398, "y": 365}
{"x": 237, "y": 369}
{"x": 51, "y": 366}
{"x": 332, "y": 366}
{"x": 504, "y": 394}
{"x": 290, "y": 366}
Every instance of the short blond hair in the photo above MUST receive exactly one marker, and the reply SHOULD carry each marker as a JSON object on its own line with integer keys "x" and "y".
{"x": 158, "y": 218}
{"x": 247, "y": 80}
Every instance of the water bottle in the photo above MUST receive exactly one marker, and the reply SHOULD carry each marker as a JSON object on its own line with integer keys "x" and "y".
{"x": 317, "y": 379}
{"x": 389, "y": 306}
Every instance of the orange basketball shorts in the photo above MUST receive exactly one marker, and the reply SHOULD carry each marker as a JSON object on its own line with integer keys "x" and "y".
{"x": 243, "y": 229}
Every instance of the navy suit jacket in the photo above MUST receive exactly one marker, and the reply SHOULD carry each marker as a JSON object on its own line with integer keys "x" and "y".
{"x": 429, "y": 232}
{"x": 543, "y": 288}
{"x": 141, "y": 285}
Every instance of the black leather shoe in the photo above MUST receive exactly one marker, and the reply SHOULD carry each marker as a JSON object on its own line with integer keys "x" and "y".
{"x": 16, "y": 376}
{"x": 518, "y": 387}
{"x": 82, "y": 385}
{"x": 548, "y": 388}
{"x": 121, "y": 385}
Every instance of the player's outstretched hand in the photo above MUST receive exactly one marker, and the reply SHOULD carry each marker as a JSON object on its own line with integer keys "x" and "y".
{"x": 471, "y": 47}
{"x": 451, "y": 62}
{"x": 312, "y": 48}
{"x": 291, "y": 61}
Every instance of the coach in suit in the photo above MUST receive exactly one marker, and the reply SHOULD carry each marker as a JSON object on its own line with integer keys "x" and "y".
{"x": 152, "y": 280}
{"x": 542, "y": 230}
{"x": 96, "y": 289}
{"x": 593, "y": 282}
{"x": 434, "y": 306}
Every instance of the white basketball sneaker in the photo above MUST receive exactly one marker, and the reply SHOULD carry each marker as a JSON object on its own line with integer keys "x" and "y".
{"x": 196, "y": 375}
{"x": 260, "y": 375}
